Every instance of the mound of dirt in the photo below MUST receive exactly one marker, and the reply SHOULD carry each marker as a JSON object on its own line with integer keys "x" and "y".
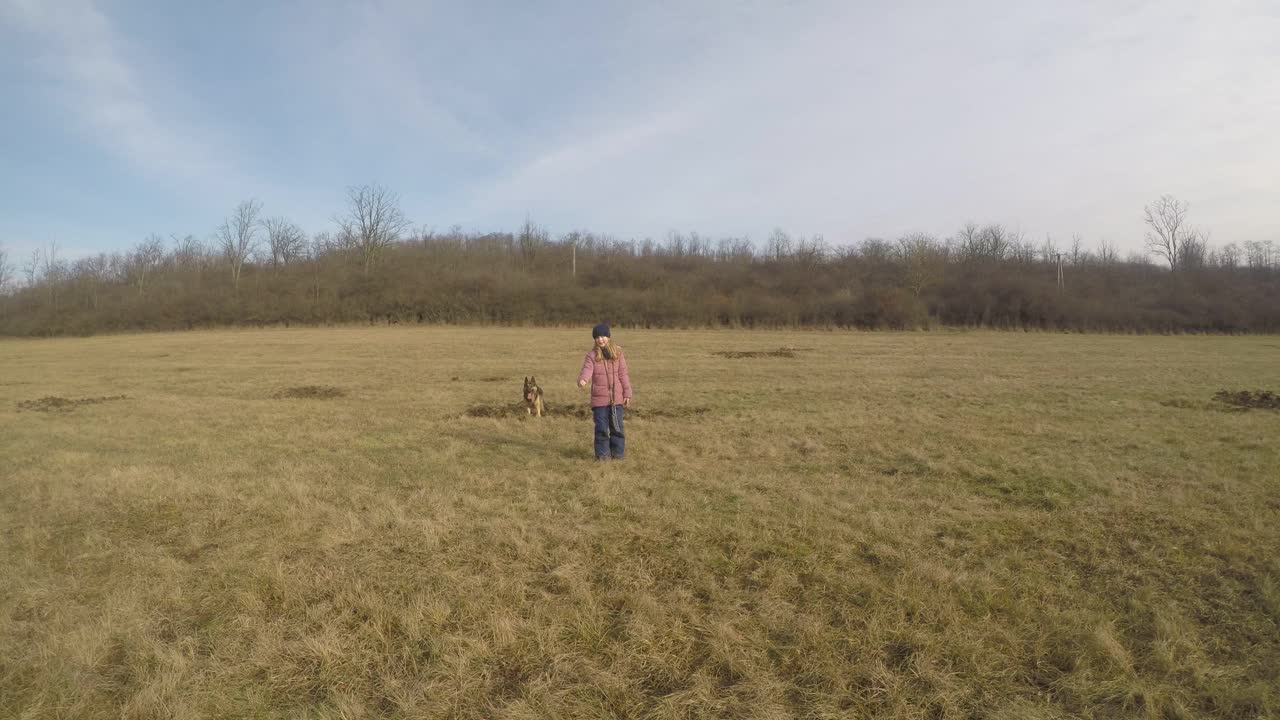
{"x": 669, "y": 413}
{"x": 312, "y": 392}
{"x": 497, "y": 411}
{"x": 735, "y": 354}
{"x": 52, "y": 403}
{"x": 519, "y": 409}
{"x": 778, "y": 352}
{"x": 1256, "y": 400}
{"x": 583, "y": 412}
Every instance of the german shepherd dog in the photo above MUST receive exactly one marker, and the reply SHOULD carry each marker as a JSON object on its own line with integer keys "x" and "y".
{"x": 533, "y": 397}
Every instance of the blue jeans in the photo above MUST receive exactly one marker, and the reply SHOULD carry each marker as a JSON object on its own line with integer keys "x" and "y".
{"x": 609, "y": 439}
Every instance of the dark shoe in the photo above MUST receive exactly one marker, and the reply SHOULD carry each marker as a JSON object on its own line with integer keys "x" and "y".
{"x": 602, "y": 458}
{"x": 617, "y": 458}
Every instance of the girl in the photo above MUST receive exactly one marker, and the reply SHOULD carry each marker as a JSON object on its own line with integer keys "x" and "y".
{"x": 606, "y": 368}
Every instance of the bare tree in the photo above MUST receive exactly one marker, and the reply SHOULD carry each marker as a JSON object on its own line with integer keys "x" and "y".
{"x": 997, "y": 241}
{"x": 96, "y": 269}
{"x": 6, "y": 271}
{"x": 188, "y": 252}
{"x": 190, "y": 259}
{"x": 990, "y": 242}
{"x": 1169, "y": 235}
{"x": 321, "y": 245}
{"x": 1049, "y": 251}
{"x": 1195, "y": 250}
{"x": 1259, "y": 253}
{"x": 238, "y": 237}
{"x": 374, "y": 221}
{"x": 699, "y": 245}
{"x": 733, "y": 249}
{"x": 49, "y": 259}
{"x": 1229, "y": 256}
{"x": 810, "y": 252}
{"x": 1076, "y": 252}
{"x": 677, "y": 244}
{"x": 1253, "y": 253}
{"x": 145, "y": 260}
{"x": 31, "y": 268}
{"x": 1108, "y": 254}
{"x": 1023, "y": 251}
{"x": 285, "y": 241}
{"x": 531, "y": 240}
{"x": 52, "y": 271}
{"x": 968, "y": 241}
{"x": 922, "y": 258}
{"x": 778, "y": 246}
{"x": 875, "y": 250}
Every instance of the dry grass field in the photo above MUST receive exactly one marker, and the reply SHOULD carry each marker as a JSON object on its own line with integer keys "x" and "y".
{"x": 348, "y": 523}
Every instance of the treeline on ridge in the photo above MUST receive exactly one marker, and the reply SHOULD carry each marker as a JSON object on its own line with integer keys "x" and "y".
{"x": 375, "y": 268}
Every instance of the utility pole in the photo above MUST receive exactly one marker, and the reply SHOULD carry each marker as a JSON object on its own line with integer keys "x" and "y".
{"x": 574, "y": 271}
{"x": 1058, "y": 257}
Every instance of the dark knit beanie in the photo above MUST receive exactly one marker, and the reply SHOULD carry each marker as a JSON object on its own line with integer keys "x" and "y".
{"x": 601, "y": 330}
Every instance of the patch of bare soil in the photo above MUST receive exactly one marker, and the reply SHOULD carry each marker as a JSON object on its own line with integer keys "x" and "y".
{"x": 783, "y": 352}
{"x": 1246, "y": 400}
{"x": 498, "y": 411}
{"x": 668, "y": 413}
{"x": 52, "y": 403}
{"x": 517, "y": 409}
{"x": 312, "y": 392}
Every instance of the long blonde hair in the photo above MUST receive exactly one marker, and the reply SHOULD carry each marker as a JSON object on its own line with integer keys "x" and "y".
{"x": 615, "y": 351}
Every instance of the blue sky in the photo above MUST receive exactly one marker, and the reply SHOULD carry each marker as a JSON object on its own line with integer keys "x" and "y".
{"x": 122, "y": 119}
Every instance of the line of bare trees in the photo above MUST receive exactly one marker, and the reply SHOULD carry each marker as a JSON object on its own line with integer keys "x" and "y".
{"x": 376, "y": 268}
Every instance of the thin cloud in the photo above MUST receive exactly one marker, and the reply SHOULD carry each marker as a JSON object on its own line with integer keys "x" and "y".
{"x": 373, "y": 63}
{"x": 102, "y": 92}
{"x": 726, "y": 117}
{"x": 547, "y": 173}
{"x": 1058, "y": 119}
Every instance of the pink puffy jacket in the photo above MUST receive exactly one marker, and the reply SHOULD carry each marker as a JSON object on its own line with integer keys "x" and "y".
{"x": 606, "y": 374}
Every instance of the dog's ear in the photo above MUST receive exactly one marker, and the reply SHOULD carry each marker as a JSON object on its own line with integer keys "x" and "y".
{"x": 526, "y": 380}
{"x": 533, "y": 380}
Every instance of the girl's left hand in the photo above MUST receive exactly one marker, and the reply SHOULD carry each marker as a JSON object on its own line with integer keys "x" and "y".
{"x": 626, "y": 402}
